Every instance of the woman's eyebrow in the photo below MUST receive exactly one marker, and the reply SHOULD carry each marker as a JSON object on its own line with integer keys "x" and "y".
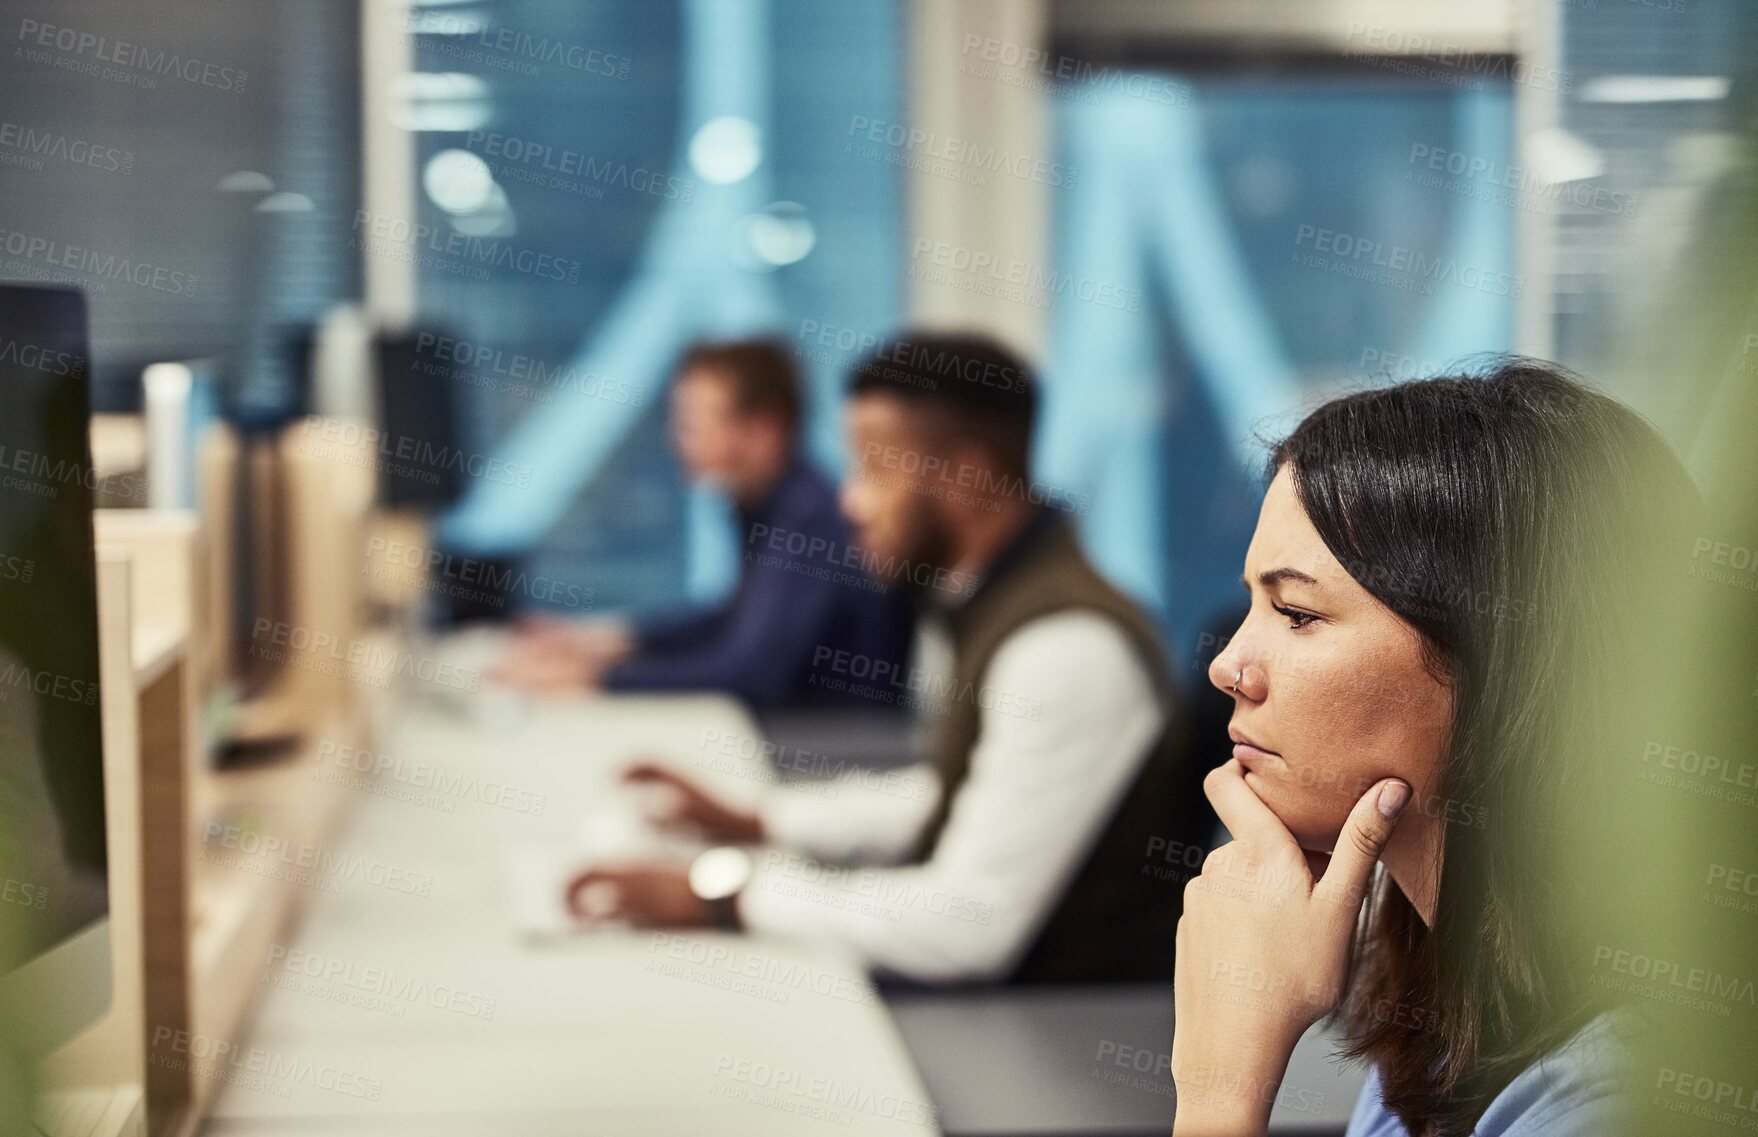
{"x": 1272, "y": 577}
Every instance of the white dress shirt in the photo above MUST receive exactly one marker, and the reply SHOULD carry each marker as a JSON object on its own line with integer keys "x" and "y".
{"x": 1040, "y": 788}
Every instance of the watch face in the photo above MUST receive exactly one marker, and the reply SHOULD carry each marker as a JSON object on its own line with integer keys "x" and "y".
{"x": 720, "y": 873}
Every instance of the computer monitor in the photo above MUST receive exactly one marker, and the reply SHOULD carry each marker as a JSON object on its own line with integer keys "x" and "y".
{"x": 54, "y": 893}
{"x": 418, "y": 404}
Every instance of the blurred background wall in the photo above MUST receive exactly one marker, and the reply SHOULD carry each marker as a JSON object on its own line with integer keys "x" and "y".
{"x": 1198, "y": 217}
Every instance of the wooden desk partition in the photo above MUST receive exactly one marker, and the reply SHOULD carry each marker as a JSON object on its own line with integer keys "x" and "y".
{"x": 190, "y": 938}
{"x": 323, "y": 474}
{"x": 165, "y": 560}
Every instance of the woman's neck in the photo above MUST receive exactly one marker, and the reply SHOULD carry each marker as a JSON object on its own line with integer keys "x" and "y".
{"x": 1413, "y": 859}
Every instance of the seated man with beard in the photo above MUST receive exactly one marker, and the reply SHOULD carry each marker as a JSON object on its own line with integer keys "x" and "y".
{"x": 1035, "y": 849}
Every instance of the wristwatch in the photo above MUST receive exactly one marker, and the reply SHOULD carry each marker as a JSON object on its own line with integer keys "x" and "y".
{"x": 717, "y": 877}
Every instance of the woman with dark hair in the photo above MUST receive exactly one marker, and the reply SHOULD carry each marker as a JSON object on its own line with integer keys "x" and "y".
{"x": 1456, "y": 585}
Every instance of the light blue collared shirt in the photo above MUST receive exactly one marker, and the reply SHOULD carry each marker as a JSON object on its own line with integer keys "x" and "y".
{"x": 1576, "y": 1091}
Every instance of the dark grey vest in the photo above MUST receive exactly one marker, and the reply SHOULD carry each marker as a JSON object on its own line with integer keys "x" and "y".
{"x": 1117, "y": 919}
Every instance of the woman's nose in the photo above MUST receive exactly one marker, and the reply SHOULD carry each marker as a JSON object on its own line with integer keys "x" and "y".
{"x": 1222, "y": 669}
{"x": 1234, "y": 673}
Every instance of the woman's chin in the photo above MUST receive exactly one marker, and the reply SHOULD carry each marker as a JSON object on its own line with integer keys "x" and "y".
{"x": 1313, "y": 823}
{"x": 1318, "y": 842}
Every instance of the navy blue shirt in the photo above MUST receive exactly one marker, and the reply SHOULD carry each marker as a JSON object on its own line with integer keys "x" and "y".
{"x": 803, "y": 596}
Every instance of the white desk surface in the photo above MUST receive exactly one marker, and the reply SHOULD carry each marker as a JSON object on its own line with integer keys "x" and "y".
{"x": 605, "y": 1033}
{"x": 1087, "y": 1060}
{"x": 638, "y": 1033}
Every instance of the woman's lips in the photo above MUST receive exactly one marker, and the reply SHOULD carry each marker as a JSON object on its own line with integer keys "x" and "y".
{"x": 1248, "y": 751}
{"x": 1248, "y": 754}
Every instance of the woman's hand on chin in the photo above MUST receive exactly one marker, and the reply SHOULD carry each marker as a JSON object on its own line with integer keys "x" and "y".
{"x": 1263, "y": 951}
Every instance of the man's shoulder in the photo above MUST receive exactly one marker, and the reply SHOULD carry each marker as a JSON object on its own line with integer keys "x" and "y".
{"x": 1070, "y": 648}
{"x": 808, "y": 500}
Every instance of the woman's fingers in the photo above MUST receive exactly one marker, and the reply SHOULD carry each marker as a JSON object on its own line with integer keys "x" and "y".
{"x": 1363, "y": 839}
{"x": 1242, "y": 811}
{"x": 1262, "y": 951}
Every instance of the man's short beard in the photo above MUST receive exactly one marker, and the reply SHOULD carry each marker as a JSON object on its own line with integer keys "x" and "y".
{"x": 932, "y": 541}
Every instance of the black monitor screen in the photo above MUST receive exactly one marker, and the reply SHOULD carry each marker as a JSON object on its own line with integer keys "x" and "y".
{"x": 52, "y": 868}
{"x": 418, "y": 414}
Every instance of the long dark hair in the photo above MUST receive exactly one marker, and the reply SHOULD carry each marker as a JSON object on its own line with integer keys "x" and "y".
{"x": 1525, "y": 526}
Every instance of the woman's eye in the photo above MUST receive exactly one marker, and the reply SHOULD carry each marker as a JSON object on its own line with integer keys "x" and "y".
{"x": 1296, "y": 618}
